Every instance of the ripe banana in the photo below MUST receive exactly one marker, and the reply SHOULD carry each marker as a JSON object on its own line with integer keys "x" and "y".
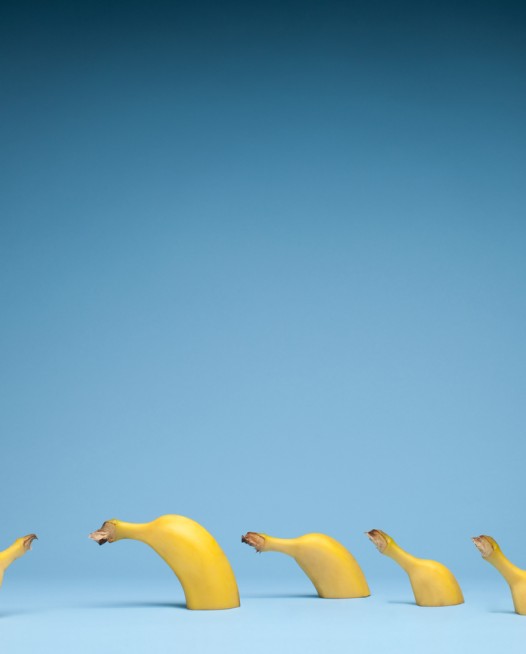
{"x": 332, "y": 569}
{"x": 516, "y": 577}
{"x": 15, "y": 551}
{"x": 190, "y": 550}
{"x": 433, "y": 584}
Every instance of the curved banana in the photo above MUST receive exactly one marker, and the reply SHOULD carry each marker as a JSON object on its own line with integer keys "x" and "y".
{"x": 327, "y": 563}
{"x": 190, "y": 550}
{"x": 15, "y": 551}
{"x": 516, "y": 577}
{"x": 432, "y": 583}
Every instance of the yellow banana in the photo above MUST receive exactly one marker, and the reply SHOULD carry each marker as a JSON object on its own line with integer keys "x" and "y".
{"x": 432, "y": 583}
{"x": 516, "y": 577}
{"x": 332, "y": 569}
{"x": 190, "y": 550}
{"x": 15, "y": 551}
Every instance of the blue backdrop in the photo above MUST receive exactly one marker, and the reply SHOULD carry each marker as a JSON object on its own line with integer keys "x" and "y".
{"x": 262, "y": 266}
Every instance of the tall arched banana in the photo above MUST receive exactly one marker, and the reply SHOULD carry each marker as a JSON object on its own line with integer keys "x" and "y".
{"x": 516, "y": 577}
{"x": 332, "y": 569}
{"x": 432, "y": 583}
{"x": 190, "y": 550}
{"x": 15, "y": 551}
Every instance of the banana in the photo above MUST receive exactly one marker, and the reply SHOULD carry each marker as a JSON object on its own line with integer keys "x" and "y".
{"x": 332, "y": 569}
{"x": 190, "y": 550}
{"x": 516, "y": 577}
{"x": 433, "y": 584}
{"x": 15, "y": 551}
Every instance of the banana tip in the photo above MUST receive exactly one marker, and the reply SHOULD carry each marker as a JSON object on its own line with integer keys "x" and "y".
{"x": 255, "y": 540}
{"x": 378, "y": 538}
{"x": 28, "y": 540}
{"x": 98, "y": 537}
{"x": 106, "y": 534}
{"x": 484, "y": 545}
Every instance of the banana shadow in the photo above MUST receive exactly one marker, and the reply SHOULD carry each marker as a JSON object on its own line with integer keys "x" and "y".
{"x": 135, "y": 605}
{"x": 281, "y": 596}
{"x": 503, "y": 612}
{"x": 408, "y": 603}
{"x": 5, "y": 615}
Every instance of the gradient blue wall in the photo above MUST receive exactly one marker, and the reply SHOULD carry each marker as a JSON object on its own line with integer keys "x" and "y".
{"x": 264, "y": 267}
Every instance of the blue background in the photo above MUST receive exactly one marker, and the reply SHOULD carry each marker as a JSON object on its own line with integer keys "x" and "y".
{"x": 261, "y": 265}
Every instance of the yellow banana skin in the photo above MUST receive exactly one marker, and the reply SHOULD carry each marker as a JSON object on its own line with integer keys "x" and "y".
{"x": 516, "y": 577}
{"x": 329, "y": 565}
{"x": 433, "y": 584}
{"x": 15, "y": 551}
{"x": 190, "y": 550}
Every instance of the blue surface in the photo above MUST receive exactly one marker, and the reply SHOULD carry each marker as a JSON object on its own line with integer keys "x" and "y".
{"x": 273, "y": 617}
{"x": 262, "y": 266}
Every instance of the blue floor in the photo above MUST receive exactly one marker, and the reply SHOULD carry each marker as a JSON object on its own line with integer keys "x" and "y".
{"x": 125, "y": 617}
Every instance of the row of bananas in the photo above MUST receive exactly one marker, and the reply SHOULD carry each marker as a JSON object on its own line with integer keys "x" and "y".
{"x": 208, "y": 580}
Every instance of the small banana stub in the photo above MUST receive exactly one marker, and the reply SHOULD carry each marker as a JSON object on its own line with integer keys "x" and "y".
{"x": 484, "y": 544}
{"x": 255, "y": 540}
{"x": 28, "y": 540}
{"x": 106, "y": 534}
{"x": 378, "y": 538}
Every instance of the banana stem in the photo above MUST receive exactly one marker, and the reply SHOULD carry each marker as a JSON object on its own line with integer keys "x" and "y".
{"x": 264, "y": 543}
{"x": 386, "y": 545}
{"x": 113, "y": 530}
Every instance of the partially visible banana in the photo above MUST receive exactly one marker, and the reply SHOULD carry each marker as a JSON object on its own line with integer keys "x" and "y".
{"x": 15, "y": 551}
{"x": 329, "y": 565}
{"x": 190, "y": 550}
{"x": 433, "y": 584}
{"x": 516, "y": 577}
